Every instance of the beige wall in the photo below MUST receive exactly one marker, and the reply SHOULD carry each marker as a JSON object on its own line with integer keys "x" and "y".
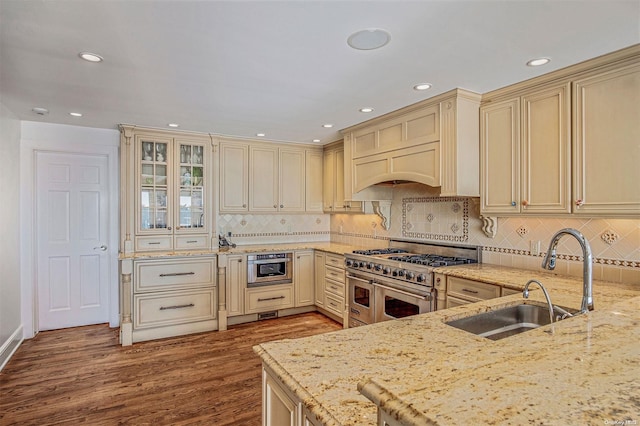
{"x": 615, "y": 242}
{"x": 10, "y": 316}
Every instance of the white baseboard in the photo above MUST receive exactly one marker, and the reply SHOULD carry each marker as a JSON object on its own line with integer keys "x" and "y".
{"x": 10, "y": 346}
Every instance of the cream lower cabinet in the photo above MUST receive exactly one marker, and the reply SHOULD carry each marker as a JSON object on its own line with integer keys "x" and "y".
{"x": 170, "y": 297}
{"x": 526, "y": 153}
{"x": 606, "y": 146}
{"x": 236, "y": 283}
{"x": 280, "y": 407}
{"x": 318, "y": 265}
{"x": 461, "y": 291}
{"x": 303, "y": 278}
{"x": 330, "y": 276}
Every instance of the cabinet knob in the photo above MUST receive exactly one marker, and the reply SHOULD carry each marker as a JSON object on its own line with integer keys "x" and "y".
{"x": 281, "y": 206}
{"x": 513, "y": 204}
{"x": 579, "y": 203}
{"x": 275, "y": 206}
{"x": 169, "y": 228}
{"x": 525, "y": 203}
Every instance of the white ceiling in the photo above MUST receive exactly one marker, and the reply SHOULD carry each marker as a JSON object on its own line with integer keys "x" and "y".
{"x": 282, "y": 68}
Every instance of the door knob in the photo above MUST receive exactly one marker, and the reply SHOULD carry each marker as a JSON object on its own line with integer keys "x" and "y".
{"x": 101, "y": 248}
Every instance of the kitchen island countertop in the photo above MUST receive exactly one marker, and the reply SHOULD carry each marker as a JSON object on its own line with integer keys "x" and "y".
{"x": 422, "y": 371}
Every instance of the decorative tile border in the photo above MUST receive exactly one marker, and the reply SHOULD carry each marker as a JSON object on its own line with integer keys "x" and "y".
{"x": 570, "y": 257}
{"x": 457, "y": 211}
{"x": 277, "y": 234}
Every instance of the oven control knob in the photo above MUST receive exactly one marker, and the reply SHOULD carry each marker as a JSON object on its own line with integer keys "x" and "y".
{"x": 410, "y": 275}
{"x": 386, "y": 270}
{"x": 361, "y": 264}
{"x": 349, "y": 263}
{"x": 370, "y": 265}
{"x": 395, "y": 273}
{"x": 378, "y": 267}
{"x": 421, "y": 278}
{"x": 401, "y": 272}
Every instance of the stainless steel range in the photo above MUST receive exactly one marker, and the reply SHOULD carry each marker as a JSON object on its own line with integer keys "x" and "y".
{"x": 397, "y": 281}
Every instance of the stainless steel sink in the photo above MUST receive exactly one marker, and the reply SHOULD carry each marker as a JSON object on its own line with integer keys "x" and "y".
{"x": 501, "y": 323}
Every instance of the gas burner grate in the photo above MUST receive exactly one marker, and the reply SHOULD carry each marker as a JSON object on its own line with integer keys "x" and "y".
{"x": 432, "y": 260}
{"x": 375, "y": 252}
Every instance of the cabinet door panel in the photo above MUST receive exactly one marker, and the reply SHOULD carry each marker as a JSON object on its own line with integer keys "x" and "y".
{"x": 263, "y": 179}
{"x": 313, "y": 181}
{"x": 546, "y": 151}
{"x": 606, "y": 150}
{"x": 292, "y": 180}
{"x": 499, "y": 154}
{"x": 234, "y": 174}
{"x": 236, "y": 284}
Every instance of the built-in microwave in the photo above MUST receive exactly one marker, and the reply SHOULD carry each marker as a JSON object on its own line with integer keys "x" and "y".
{"x": 269, "y": 269}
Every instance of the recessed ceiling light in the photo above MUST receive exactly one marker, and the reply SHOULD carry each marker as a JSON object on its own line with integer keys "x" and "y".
{"x": 327, "y": 126}
{"x": 75, "y": 114}
{"x": 316, "y": 140}
{"x": 538, "y": 61}
{"x": 367, "y": 109}
{"x": 369, "y": 39}
{"x": 91, "y": 57}
{"x": 173, "y": 125}
{"x": 40, "y": 111}
{"x": 261, "y": 135}
{"x": 422, "y": 86}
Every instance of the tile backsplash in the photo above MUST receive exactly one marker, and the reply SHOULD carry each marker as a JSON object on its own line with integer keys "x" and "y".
{"x": 418, "y": 213}
{"x": 274, "y": 228}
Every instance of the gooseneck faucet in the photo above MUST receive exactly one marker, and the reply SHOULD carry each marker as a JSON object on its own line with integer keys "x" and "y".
{"x": 549, "y": 262}
{"x": 525, "y": 294}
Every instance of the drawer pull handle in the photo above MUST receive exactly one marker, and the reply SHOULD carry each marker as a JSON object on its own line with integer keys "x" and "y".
{"x": 466, "y": 290}
{"x": 270, "y": 298}
{"x": 164, "y": 308}
{"x": 191, "y": 241}
{"x": 177, "y": 274}
{"x": 154, "y": 243}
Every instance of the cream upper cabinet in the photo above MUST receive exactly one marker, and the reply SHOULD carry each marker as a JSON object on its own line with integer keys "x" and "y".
{"x": 334, "y": 182}
{"x": 167, "y": 187}
{"x": 313, "y": 180}
{"x": 526, "y": 153}
{"x": 234, "y": 177}
{"x": 606, "y": 142}
{"x": 276, "y": 179}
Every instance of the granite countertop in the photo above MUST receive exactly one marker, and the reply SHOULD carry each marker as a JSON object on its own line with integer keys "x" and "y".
{"x": 423, "y": 371}
{"x": 249, "y": 248}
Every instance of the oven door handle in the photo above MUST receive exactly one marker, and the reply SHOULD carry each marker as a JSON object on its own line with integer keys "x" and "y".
{"x": 263, "y": 262}
{"x": 428, "y": 297}
{"x": 351, "y": 277}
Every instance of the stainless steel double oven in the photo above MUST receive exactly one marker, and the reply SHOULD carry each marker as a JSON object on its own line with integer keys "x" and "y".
{"x": 397, "y": 281}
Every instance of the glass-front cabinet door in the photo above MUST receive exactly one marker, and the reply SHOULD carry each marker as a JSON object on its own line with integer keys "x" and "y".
{"x": 154, "y": 182}
{"x": 172, "y": 199}
{"x": 191, "y": 183}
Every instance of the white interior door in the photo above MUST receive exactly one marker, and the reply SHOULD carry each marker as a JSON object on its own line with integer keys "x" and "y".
{"x": 71, "y": 236}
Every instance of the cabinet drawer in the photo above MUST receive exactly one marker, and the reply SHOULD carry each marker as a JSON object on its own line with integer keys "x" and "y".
{"x": 334, "y": 260}
{"x": 186, "y": 242}
{"x": 334, "y": 274}
{"x": 506, "y": 291}
{"x": 276, "y": 297}
{"x": 471, "y": 290}
{"x": 452, "y": 302}
{"x": 334, "y": 287}
{"x": 173, "y": 274}
{"x": 334, "y": 304}
{"x": 162, "y": 309}
{"x": 153, "y": 243}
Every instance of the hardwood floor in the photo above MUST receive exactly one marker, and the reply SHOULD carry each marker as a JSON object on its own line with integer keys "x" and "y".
{"x": 82, "y": 376}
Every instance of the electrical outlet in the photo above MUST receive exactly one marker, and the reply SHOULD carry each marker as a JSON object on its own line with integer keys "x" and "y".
{"x": 534, "y": 247}
{"x": 340, "y": 229}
